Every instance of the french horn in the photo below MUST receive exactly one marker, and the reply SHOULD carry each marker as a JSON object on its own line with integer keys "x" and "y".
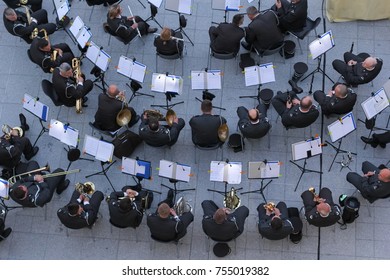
{"x": 182, "y": 206}
{"x": 124, "y": 115}
{"x": 86, "y": 189}
{"x": 223, "y": 132}
{"x": 231, "y": 200}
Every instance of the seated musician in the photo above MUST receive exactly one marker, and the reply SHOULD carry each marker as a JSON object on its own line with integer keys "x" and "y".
{"x": 126, "y": 27}
{"x": 167, "y": 45}
{"x": 221, "y": 224}
{"x": 42, "y": 54}
{"x": 292, "y": 15}
{"x": 274, "y": 223}
{"x": 125, "y": 207}
{"x": 380, "y": 139}
{"x": 68, "y": 88}
{"x": 320, "y": 210}
{"x": 109, "y": 105}
{"x": 339, "y": 100}
{"x": 205, "y": 127}
{"x": 157, "y": 135}
{"x": 253, "y": 123}
{"x": 165, "y": 225}
{"x": 34, "y": 190}
{"x": 81, "y": 210}
{"x": 34, "y": 4}
{"x": 295, "y": 112}
{"x": 17, "y": 23}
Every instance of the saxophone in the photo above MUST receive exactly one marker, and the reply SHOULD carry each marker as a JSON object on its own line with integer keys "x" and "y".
{"x": 76, "y": 75}
{"x": 53, "y": 57}
{"x": 35, "y": 32}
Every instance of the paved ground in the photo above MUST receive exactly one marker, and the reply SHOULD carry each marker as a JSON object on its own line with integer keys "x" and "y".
{"x": 34, "y": 237}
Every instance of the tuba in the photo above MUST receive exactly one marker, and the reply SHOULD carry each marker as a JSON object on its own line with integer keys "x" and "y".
{"x": 76, "y": 75}
{"x": 270, "y": 206}
{"x": 7, "y": 130}
{"x": 223, "y": 131}
{"x": 124, "y": 115}
{"x": 86, "y": 189}
{"x": 231, "y": 200}
{"x": 182, "y": 206}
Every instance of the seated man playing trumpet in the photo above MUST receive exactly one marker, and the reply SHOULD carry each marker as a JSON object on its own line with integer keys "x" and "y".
{"x": 35, "y": 190}
{"x": 49, "y": 56}
{"x": 320, "y": 210}
{"x": 169, "y": 42}
{"x": 157, "y": 135}
{"x": 109, "y": 106}
{"x": 70, "y": 86}
{"x": 81, "y": 210}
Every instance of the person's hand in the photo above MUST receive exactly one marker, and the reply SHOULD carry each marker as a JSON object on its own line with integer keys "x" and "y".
{"x": 81, "y": 197}
{"x": 227, "y": 211}
{"x": 352, "y": 62}
{"x": 369, "y": 174}
{"x": 173, "y": 212}
{"x": 131, "y": 193}
{"x": 122, "y": 93}
{"x": 130, "y": 18}
{"x": 277, "y": 212}
{"x": 38, "y": 178}
{"x": 60, "y": 52}
{"x": 288, "y": 104}
{"x": 134, "y": 26}
{"x": 86, "y": 199}
{"x": 330, "y": 93}
{"x": 14, "y": 132}
{"x": 296, "y": 101}
{"x": 145, "y": 116}
{"x": 80, "y": 79}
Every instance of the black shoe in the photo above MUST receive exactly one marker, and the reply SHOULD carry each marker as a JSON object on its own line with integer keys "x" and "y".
{"x": 294, "y": 86}
{"x": 32, "y": 154}
{"x": 382, "y": 145}
{"x": 6, "y": 233}
{"x": 370, "y": 141}
{"x": 64, "y": 186}
{"x": 152, "y": 29}
{"x": 85, "y": 99}
{"x": 245, "y": 45}
{"x": 84, "y": 105}
{"x": 23, "y": 123}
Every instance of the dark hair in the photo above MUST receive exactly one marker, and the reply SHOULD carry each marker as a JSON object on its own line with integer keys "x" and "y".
{"x": 19, "y": 193}
{"x": 125, "y": 204}
{"x": 73, "y": 209}
{"x": 153, "y": 124}
{"x": 251, "y": 10}
{"x": 276, "y": 223}
{"x": 206, "y": 106}
{"x": 42, "y": 43}
{"x": 237, "y": 19}
{"x": 306, "y": 103}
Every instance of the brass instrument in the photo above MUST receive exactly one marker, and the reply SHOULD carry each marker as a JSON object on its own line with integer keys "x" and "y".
{"x": 35, "y": 31}
{"x": 86, "y": 189}
{"x": 8, "y": 134}
{"x": 270, "y": 206}
{"x": 76, "y": 74}
{"x": 316, "y": 198}
{"x": 169, "y": 116}
{"x": 231, "y": 200}
{"x": 23, "y": 2}
{"x": 124, "y": 115}
{"x": 223, "y": 132}
{"x": 53, "y": 57}
{"x": 153, "y": 114}
{"x": 182, "y": 206}
{"x": 13, "y": 179}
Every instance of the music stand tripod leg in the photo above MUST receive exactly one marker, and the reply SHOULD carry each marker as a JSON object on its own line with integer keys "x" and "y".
{"x": 43, "y": 130}
{"x": 104, "y": 173}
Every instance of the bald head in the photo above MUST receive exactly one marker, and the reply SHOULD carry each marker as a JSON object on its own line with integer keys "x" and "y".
{"x": 219, "y": 216}
{"x": 324, "y": 209}
{"x": 253, "y": 115}
{"x": 369, "y": 63}
{"x": 113, "y": 90}
{"x": 341, "y": 90}
{"x": 384, "y": 175}
{"x": 306, "y": 103}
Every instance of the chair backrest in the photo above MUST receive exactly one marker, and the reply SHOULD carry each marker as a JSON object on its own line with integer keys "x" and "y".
{"x": 48, "y": 89}
{"x": 223, "y": 56}
{"x": 29, "y": 56}
{"x": 170, "y": 56}
{"x": 310, "y": 25}
{"x": 273, "y": 49}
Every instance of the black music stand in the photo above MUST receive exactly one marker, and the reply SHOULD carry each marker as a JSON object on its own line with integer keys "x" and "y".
{"x": 182, "y": 25}
{"x": 257, "y": 97}
{"x": 317, "y": 70}
{"x": 139, "y": 1}
{"x": 175, "y": 190}
{"x": 338, "y": 151}
{"x": 261, "y": 189}
{"x": 303, "y": 171}
{"x": 99, "y": 77}
{"x": 135, "y": 86}
{"x": 168, "y": 97}
{"x": 74, "y": 155}
{"x": 153, "y": 13}
{"x": 104, "y": 172}
{"x": 43, "y": 130}
{"x": 138, "y": 180}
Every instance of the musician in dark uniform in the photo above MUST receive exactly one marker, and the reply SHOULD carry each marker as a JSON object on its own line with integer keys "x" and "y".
{"x": 339, "y": 100}
{"x": 320, "y": 211}
{"x": 109, "y": 106}
{"x": 16, "y": 23}
{"x": 292, "y": 15}
{"x": 125, "y": 209}
{"x": 41, "y": 52}
{"x": 157, "y": 135}
{"x": 293, "y": 111}
{"x": 34, "y": 4}
{"x": 220, "y": 224}
{"x": 68, "y": 88}
{"x": 253, "y": 123}
{"x": 125, "y": 27}
{"x": 274, "y": 224}
{"x": 205, "y": 127}
{"x": 377, "y": 139}
{"x": 169, "y": 46}
{"x": 165, "y": 225}
{"x": 263, "y": 32}
{"x": 226, "y": 37}
{"x": 34, "y": 190}
{"x": 358, "y": 69}
{"x": 81, "y": 210}
{"x": 375, "y": 182}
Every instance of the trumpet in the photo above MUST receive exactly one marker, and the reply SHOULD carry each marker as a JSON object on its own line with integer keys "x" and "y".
{"x": 182, "y": 206}
{"x": 53, "y": 57}
{"x": 76, "y": 74}
{"x": 86, "y": 189}
{"x": 7, "y": 130}
{"x": 270, "y": 206}
{"x": 231, "y": 200}
{"x": 316, "y": 198}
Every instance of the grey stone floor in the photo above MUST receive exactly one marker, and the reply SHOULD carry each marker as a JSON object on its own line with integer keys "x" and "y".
{"x": 34, "y": 237}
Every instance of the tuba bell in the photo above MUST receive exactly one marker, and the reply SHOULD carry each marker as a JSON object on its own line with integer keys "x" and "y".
{"x": 124, "y": 115}
{"x": 231, "y": 200}
{"x": 170, "y": 117}
{"x": 7, "y": 130}
{"x": 182, "y": 206}
{"x": 86, "y": 189}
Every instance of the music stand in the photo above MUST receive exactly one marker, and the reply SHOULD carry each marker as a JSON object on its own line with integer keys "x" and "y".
{"x": 102, "y": 151}
{"x": 338, "y": 130}
{"x": 38, "y": 109}
{"x": 205, "y": 80}
{"x": 175, "y": 172}
{"x": 180, "y": 7}
{"x": 64, "y": 133}
{"x": 154, "y": 11}
{"x": 73, "y": 155}
{"x": 263, "y": 170}
{"x": 226, "y": 6}
{"x": 81, "y": 34}
{"x": 170, "y": 85}
{"x": 304, "y": 150}
{"x": 139, "y": 1}
{"x": 101, "y": 60}
{"x": 317, "y": 48}
{"x": 61, "y": 8}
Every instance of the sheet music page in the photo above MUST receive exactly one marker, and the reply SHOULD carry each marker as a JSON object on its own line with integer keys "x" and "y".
{"x": 125, "y": 66}
{"x": 214, "y": 79}
{"x": 166, "y": 169}
{"x": 84, "y": 37}
{"x": 183, "y": 172}
{"x": 158, "y": 82}
{"x": 56, "y": 129}
{"x": 70, "y": 136}
{"x": 172, "y": 5}
{"x": 139, "y": 169}
{"x": 339, "y": 129}
{"x": 58, "y": 3}
{"x": 172, "y": 83}
{"x": 321, "y": 45}
{"x": 252, "y": 75}
{"x": 104, "y": 151}
{"x": 76, "y": 26}
{"x": 369, "y": 108}
{"x": 198, "y": 80}
{"x": 315, "y": 146}
{"x": 254, "y": 169}
{"x": 63, "y": 9}
{"x": 267, "y": 74}
{"x": 233, "y": 5}
{"x": 233, "y": 172}
{"x": 306, "y": 149}
{"x": 4, "y": 188}
{"x": 217, "y": 171}
{"x": 128, "y": 165}
{"x": 90, "y": 145}
{"x": 138, "y": 72}
{"x": 218, "y": 5}
{"x": 35, "y": 107}
{"x": 185, "y": 7}
{"x": 270, "y": 170}
{"x": 375, "y": 104}
{"x": 93, "y": 52}
{"x": 103, "y": 60}
{"x": 156, "y": 3}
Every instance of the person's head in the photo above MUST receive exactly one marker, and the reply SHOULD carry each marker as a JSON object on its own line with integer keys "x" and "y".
{"x": 114, "y": 11}
{"x": 253, "y": 115}
{"x": 163, "y": 210}
{"x": 10, "y": 14}
{"x": 20, "y": 192}
{"x": 369, "y": 63}
{"x": 206, "y": 106}
{"x": 238, "y": 19}
{"x": 341, "y": 90}
{"x": 113, "y": 90}
{"x": 43, "y": 44}
{"x": 74, "y": 209}
{"x": 306, "y": 103}
{"x": 384, "y": 175}
{"x": 276, "y": 223}
{"x": 165, "y": 34}
{"x": 66, "y": 70}
{"x": 252, "y": 12}
{"x": 219, "y": 216}
{"x": 323, "y": 209}
{"x": 125, "y": 204}
{"x": 153, "y": 124}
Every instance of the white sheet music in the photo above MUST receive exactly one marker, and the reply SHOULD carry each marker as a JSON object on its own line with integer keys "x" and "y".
{"x": 217, "y": 171}
{"x": 84, "y": 37}
{"x": 181, "y": 6}
{"x": 130, "y": 166}
{"x": 198, "y": 79}
{"x": 221, "y": 171}
{"x": 66, "y": 134}
{"x": 80, "y": 32}
{"x": 214, "y": 79}
{"x": 342, "y": 127}
{"x": 91, "y": 145}
{"x": 62, "y": 7}
{"x": 156, "y": 3}
{"x": 36, "y": 107}
{"x": 138, "y": 71}
{"x": 172, "y": 84}
{"x": 93, "y": 52}
{"x": 306, "y": 149}
{"x": 183, "y": 172}
{"x": 76, "y": 26}
{"x": 267, "y": 74}
{"x": 98, "y": 56}
{"x": 131, "y": 69}
{"x": 252, "y": 76}
{"x": 262, "y": 170}
{"x": 321, "y": 45}
{"x": 166, "y": 169}
{"x": 375, "y": 104}
{"x": 233, "y": 5}
{"x": 4, "y": 188}
{"x": 104, "y": 151}
{"x": 158, "y": 82}
{"x": 164, "y": 83}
